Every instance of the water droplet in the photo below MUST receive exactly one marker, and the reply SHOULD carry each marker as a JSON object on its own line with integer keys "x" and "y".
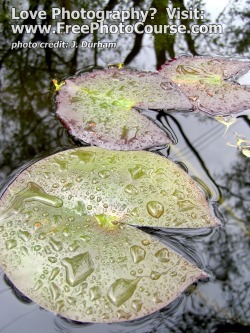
{"x": 137, "y": 305}
{"x": 137, "y": 253}
{"x": 37, "y": 225}
{"x": 123, "y": 315}
{"x": 104, "y": 174}
{"x": 24, "y": 235}
{"x": 67, "y": 186}
{"x": 79, "y": 179}
{"x": 85, "y": 156}
{"x": 80, "y": 208}
{"x": 42, "y": 236}
{"x": 155, "y": 208}
{"x": 145, "y": 242}
{"x": 56, "y": 245}
{"x": 94, "y": 293}
{"x": 10, "y": 244}
{"x": 166, "y": 85}
{"x": 34, "y": 192}
{"x": 78, "y": 268}
{"x": 157, "y": 299}
{"x": 135, "y": 212}
{"x": 155, "y": 275}
{"x": 205, "y": 219}
{"x": 162, "y": 255}
{"x": 55, "y": 271}
{"x": 74, "y": 246}
{"x": 89, "y": 311}
{"x": 173, "y": 274}
{"x": 121, "y": 260}
{"x": 130, "y": 189}
{"x": 52, "y": 259}
{"x": 38, "y": 285}
{"x": 95, "y": 181}
{"x": 1, "y": 228}
{"x": 59, "y": 305}
{"x": 85, "y": 238}
{"x": 185, "y": 205}
{"x": 81, "y": 289}
{"x": 193, "y": 215}
{"x": 47, "y": 250}
{"x": 137, "y": 172}
{"x": 37, "y": 247}
{"x": 66, "y": 232}
{"x": 183, "y": 279}
{"x": 24, "y": 251}
{"x": 121, "y": 290}
{"x": 62, "y": 164}
{"x": 55, "y": 291}
{"x": 106, "y": 221}
{"x": 105, "y": 316}
{"x": 71, "y": 300}
{"x": 179, "y": 195}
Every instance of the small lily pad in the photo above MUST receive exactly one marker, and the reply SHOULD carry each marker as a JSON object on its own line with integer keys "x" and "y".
{"x": 66, "y": 242}
{"x": 203, "y": 80}
{"x": 100, "y": 108}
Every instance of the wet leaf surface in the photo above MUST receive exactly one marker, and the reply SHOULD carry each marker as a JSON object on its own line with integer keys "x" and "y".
{"x": 66, "y": 242}
{"x": 100, "y": 108}
{"x": 203, "y": 80}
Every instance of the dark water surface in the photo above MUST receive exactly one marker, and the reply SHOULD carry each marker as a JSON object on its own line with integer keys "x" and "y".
{"x": 30, "y": 130}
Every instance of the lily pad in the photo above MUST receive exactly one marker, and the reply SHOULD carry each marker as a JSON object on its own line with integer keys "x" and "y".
{"x": 66, "y": 242}
{"x": 100, "y": 108}
{"x": 202, "y": 79}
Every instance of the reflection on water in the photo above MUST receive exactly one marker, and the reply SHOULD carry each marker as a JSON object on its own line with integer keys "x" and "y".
{"x": 29, "y": 129}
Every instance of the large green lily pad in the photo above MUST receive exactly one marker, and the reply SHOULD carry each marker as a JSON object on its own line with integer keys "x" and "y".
{"x": 66, "y": 242}
{"x": 100, "y": 108}
{"x": 203, "y": 80}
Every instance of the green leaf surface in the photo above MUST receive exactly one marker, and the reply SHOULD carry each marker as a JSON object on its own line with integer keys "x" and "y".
{"x": 203, "y": 80}
{"x": 100, "y": 108}
{"x": 66, "y": 242}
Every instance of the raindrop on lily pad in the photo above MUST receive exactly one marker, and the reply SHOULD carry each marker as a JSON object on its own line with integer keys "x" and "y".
{"x": 205, "y": 82}
{"x": 101, "y": 108}
{"x": 83, "y": 258}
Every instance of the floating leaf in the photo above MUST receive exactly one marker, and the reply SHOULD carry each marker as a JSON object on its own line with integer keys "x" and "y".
{"x": 227, "y": 121}
{"x": 242, "y": 145}
{"x": 202, "y": 80}
{"x": 66, "y": 242}
{"x": 100, "y": 108}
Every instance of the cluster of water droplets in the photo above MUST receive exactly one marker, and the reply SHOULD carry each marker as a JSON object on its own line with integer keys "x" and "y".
{"x": 65, "y": 241}
{"x": 203, "y": 80}
{"x": 113, "y": 96}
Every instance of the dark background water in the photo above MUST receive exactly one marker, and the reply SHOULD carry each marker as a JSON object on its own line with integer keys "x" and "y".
{"x": 29, "y": 129}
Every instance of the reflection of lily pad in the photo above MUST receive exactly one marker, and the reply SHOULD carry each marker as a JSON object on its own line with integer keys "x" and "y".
{"x": 101, "y": 108}
{"x": 202, "y": 79}
{"x": 65, "y": 240}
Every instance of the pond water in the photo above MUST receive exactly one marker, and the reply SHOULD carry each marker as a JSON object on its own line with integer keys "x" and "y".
{"x": 29, "y": 130}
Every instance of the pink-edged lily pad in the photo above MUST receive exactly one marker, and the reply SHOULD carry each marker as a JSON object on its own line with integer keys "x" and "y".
{"x": 100, "y": 108}
{"x": 203, "y": 80}
{"x": 66, "y": 240}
